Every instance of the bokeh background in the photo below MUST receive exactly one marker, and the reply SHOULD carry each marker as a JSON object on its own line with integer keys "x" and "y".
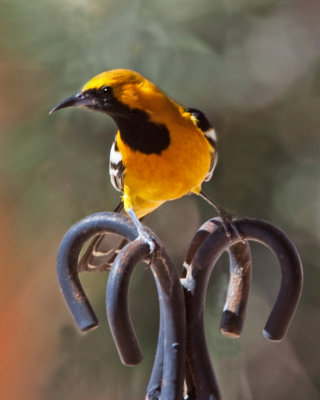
{"x": 253, "y": 66}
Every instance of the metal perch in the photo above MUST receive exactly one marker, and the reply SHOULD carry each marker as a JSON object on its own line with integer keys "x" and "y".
{"x": 181, "y": 339}
{"x": 206, "y": 248}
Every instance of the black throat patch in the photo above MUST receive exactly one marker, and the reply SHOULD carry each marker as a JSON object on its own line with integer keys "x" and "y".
{"x": 140, "y": 133}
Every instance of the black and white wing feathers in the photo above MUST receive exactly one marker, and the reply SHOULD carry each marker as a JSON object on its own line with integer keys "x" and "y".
{"x": 116, "y": 167}
{"x": 202, "y": 123}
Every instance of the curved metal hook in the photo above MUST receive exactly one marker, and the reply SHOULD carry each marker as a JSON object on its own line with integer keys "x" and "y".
{"x": 168, "y": 372}
{"x": 235, "y": 307}
{"x": 202, "y": 382}
{"x": 240, "y": 265}
{"x": 207, "y": 246}
{"x": 67, "y": 261}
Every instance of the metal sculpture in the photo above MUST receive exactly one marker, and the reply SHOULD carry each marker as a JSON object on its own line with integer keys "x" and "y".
{"x": 182, "y": 355}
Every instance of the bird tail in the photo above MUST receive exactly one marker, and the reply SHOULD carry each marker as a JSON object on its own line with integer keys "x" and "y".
{"x": 102, "y": 250}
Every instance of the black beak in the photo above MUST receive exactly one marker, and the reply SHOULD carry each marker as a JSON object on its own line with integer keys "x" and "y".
{"x": 79, "y": 99}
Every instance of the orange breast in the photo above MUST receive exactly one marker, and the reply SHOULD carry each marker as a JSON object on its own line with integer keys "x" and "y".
{"x": 178, "y": 170}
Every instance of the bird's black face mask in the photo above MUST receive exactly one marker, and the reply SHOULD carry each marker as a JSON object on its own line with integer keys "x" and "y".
{"x": 95, "y": 99}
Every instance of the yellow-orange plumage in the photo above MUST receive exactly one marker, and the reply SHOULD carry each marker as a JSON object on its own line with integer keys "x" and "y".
{"x": 151, "y": 179}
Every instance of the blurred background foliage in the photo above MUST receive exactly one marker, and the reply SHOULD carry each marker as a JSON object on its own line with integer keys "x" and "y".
{"x": 253, "y": 66}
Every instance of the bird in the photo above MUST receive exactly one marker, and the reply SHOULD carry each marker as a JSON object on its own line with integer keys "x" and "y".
{"x": 161, "y": 151}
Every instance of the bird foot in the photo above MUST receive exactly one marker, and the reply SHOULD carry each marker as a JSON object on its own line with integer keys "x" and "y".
{"x": 142, "y": 231}
{"x": 229, "y": 226}
{"x": 226, "y": 219}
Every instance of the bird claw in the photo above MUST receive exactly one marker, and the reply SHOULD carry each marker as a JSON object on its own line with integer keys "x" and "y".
{"x": 229, "y": 226}
{"x": 226, "y": 219}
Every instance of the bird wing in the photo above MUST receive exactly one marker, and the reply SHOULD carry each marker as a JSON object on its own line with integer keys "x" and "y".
{"x": 203, "y": 123}
{"x": 103, "y": 248}
{"x": 116, "y": 167}
{"x": 213, "y": 163}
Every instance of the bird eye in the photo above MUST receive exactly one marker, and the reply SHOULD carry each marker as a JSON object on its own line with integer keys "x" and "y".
{"x": 105, "y": 90}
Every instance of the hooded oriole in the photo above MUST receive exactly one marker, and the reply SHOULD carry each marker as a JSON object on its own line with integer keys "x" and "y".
{"x": 162, "y": 150}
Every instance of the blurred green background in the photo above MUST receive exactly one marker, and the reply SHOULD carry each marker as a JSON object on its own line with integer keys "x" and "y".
{"x": 253, "y": 66}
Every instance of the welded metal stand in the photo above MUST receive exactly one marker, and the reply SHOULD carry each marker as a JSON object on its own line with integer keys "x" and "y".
{"x": 182, "y": 356}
